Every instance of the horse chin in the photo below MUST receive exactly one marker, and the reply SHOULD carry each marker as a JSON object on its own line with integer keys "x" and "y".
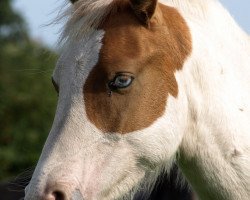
{"x": 140, "y": 184}
{"x": 124, "y": 187}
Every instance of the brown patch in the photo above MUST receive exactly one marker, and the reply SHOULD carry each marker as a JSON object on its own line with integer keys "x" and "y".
{"x": 152, "y": 54}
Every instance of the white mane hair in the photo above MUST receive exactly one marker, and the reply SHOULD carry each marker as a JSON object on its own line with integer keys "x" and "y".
{"x": 84, "y": 16}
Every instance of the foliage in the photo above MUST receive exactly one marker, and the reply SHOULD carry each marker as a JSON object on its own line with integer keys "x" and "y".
{"x": 27, "y": 98}
{"x": 12, "y": 26}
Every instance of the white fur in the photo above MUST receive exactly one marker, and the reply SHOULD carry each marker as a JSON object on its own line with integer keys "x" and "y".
{"x": 215, "y": 152}
{"x": 207, "y": 125}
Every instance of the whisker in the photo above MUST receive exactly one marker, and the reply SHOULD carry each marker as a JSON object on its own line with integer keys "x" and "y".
{"x": 21, "y": 181}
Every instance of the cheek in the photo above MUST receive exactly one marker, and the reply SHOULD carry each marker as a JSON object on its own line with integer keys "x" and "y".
{"x": 134, "y": 110}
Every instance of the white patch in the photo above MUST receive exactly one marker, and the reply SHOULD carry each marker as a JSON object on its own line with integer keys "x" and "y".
{"x": 84, "y": 16}
{"x": 215, "y": 152}
{"x": 70, "y": 127}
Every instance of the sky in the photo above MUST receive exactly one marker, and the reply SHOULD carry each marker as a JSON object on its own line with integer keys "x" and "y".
{"x": 39, "y": 15}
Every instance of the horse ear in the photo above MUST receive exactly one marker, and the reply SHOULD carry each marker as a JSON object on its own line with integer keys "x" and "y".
{"x": 73, "y": 1}
{"x": 144, "y": 9}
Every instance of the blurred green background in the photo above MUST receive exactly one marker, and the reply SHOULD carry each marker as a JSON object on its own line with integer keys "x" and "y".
{"x": 27, "y": 97}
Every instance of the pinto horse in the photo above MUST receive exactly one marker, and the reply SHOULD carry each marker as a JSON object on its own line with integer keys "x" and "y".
{"x": 144, "y": 84}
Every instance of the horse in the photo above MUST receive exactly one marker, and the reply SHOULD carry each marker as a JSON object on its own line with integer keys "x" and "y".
{"x": 143, "y": 84}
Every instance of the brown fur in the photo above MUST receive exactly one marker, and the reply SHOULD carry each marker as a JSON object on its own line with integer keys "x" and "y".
{"x": 151, "y": 53}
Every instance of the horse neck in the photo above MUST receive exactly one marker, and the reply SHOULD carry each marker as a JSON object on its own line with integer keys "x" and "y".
{"x": 215, "y": 151}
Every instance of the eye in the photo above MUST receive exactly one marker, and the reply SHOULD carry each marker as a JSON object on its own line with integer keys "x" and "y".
{"x": 121, "y": 81}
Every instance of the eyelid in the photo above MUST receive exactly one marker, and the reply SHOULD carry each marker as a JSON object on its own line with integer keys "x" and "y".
{"x": 112, "y": 85}
{"x": 55, "y": 85}
{"x": 124, "y": 74}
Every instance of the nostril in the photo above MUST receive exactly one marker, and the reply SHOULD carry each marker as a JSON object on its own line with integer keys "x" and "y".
{"x": 55, "y": 195}
{"x": 58, "y": 191}
{"x": 58, "y": 195}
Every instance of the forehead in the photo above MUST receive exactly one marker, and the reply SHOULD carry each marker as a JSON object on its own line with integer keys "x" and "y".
{"x": 127, "y": 40}
{"x": 123, "y": 30}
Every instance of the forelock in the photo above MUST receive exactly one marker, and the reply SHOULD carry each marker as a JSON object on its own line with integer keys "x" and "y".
{"x": 85, "y": 16}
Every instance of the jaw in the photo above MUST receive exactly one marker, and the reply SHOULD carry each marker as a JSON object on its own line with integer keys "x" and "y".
{"x": 124, "y": 188}
{"x": 114, "y": 174}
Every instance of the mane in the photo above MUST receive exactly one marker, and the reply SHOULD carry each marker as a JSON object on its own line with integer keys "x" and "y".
{"x": 85, "y": 16}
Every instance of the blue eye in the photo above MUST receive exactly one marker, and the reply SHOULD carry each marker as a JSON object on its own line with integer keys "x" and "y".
{"x": 120, "y": 82}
